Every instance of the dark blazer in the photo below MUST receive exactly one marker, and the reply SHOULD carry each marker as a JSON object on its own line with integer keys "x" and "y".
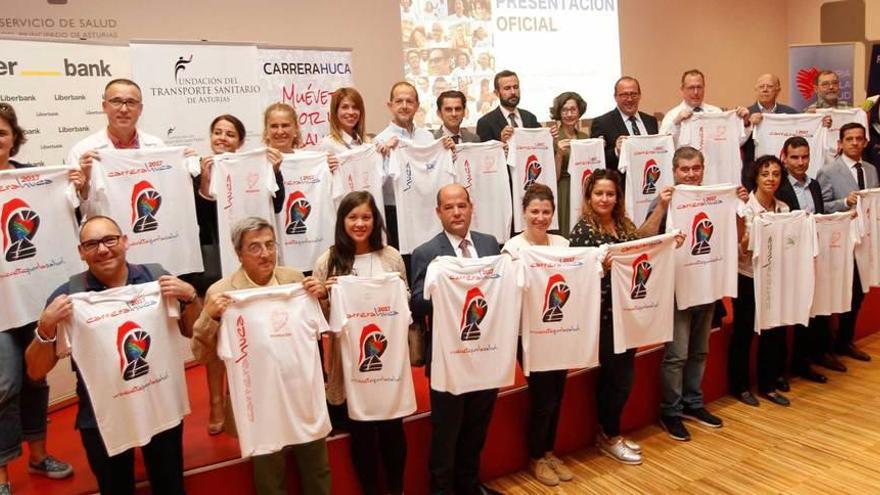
{"x": 422, "y": 310}
{"x": 611, "y": 126}
{"x": 466, "y": 135}
{"x": 786, "y": 194}
{"x": 748, "y": 148}
{"x": 490, "y": 125}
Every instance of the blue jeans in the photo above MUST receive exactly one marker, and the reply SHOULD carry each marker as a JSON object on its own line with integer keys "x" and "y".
{"x": 23, "y": 403}
{"x": 685, "y": 360}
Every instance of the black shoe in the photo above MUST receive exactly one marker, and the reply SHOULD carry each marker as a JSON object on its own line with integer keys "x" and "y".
{"x": 485, "y": 490}
{"x": 702, "y": 416}
{"x": 777, "y": 398}
{"x": 813, "y": 376}
{"x": 782, "y": 384}
{"x": 854, "y": 352}
{"x": 831, "y": 362}
{"x": 748, "y": 398}
{"x": 675, "y": 428}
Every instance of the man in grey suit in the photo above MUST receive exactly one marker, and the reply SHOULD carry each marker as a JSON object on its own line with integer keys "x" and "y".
{"x": 452, "y": 109}
{"x": 841, "y": 179}
{"x": 459, "y": 422}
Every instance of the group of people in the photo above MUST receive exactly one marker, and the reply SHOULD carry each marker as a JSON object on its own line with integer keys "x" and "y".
{"x": 364, "y": 241}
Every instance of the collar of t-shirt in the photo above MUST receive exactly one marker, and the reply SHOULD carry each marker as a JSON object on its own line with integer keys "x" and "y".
{"x": 456, "y": 240}
{"x": 137, "y": 274}
{"x": 272, "y": 281}
{"x": 507, "y": 113}
{"x": 628, "y": 124}
{"x": 417, "y": 136}
{"x": 763, "y": 109}
{"x": 134, "y": 144}
{"x": 757, "y": 207}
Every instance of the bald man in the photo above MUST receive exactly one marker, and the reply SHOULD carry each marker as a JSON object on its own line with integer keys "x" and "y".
{"x": 767, "y": 89}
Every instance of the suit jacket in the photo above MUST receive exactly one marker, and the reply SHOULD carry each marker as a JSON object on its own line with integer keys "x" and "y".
{"x": 611, "y": 126}
{"x": 466, "y": 135}
{"x": 748, "y": 148}
{"x": 837, "y": 181}
{"x": 422, "y": 310}
{"x": 490, "y": 125}
{"x": 786, "y": 194}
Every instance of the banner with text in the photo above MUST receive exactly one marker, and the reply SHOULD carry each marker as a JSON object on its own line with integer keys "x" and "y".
{"x": 305, "y": 79}
{"x": 55, "y": 89}
{"x": 805, "y": 63}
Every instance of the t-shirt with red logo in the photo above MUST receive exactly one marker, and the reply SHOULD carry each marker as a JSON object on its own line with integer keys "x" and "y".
{"x": 481, "y": 168}
{"x": 770, "y": 134}
{"x": 647, "y": 163}
{"x": 129, "y": 352}
{"x": 372, "y": 316}
{"x": 267, "y": 340}
{"x": 705, "y": 266}
{"x": 531, "y": 160}
{"x": 305, "y": 224}
{"x": 359, "y": 170}
{"x": 587, "y": 155}
{"x": 39, "y": 240}
{"x": 836, "y": 234}
{"x": 642, "y": 289}
{"x": 476, "y": 315}
{"x": 867, "y": 253}
{"x": 560, "y": 310}
{"x": 149, "y": 193}
{"x": 718, "y": 135}
{"x": 418, "y": 172}
{"x": 839, "y": 118}
{"x": 243, "y": 185}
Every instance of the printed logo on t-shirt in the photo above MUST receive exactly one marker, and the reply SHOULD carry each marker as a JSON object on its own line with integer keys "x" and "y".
{"x": 133, "y": 344}
{"x": 584, "y": 177}
{"x": 298, "y": 209}
{"x": 407, "y": 177}
{"x": 279, "y": 319}
{"x": 641, "y": 273}
{"x": 651, "y": 176}
{"x": 701, "y": 233}
{"x": 20, "y": 224}
{"x": 533, "y": 171}
{"x": 373, "y": 345}
{"x": 555, "y": 297}
{"x": 145, "y": 203}
{"x": 468, "y": 178}
{"x": 252, "y": 179}
{"x": 475, "y": 308}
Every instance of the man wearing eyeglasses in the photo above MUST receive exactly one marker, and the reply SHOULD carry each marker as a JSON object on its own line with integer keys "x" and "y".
{"x": 693, "y": 90}
{"x": 123, "y": 105}
{"x": 625, "y": 120}
{"x": 103, "y": 248}
{"x": 827, "y": 92}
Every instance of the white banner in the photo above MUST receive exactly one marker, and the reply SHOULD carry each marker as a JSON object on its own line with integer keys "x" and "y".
{"x": 186, "y": 85}
{"x": 305, "y": 79}
{"x": 55, "y": 88}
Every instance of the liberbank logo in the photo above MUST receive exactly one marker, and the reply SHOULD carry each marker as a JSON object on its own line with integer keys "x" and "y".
{"x": 65, "y": 68}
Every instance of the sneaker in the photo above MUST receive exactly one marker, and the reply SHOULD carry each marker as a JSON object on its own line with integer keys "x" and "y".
{"x": 618, "y": 451}
{"x": 544, "y": 472}
{"x": 675, "y": 428}
{"x": 631, "y": 445}
{"x": 51, "y": 467}
{"x": 559, "y": 467}
{"x": 702, "y": 416}
{"x": 5, "y": 488}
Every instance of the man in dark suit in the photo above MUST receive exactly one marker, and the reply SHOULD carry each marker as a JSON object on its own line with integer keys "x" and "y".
{"x": 452, "y": 109}
{"x": 499, "y": 123}
{"x": 840, "y": 180}
{"x": 459, "y": 422}
{"x": 767, "y": 89}
{"x": 800, "y": 192}
{"x": 625, "y": 120}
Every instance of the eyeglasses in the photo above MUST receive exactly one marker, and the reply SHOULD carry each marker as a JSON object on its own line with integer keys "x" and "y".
{"x": 829, "y": 84}
{"x": 120, "y": 102}
{"x": 257, "y": 248}
{"x": 108, "y": 241}
{"x": 628, "y": 96}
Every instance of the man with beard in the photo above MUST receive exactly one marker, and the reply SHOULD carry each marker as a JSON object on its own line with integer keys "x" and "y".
{"x": 499, "y": 123}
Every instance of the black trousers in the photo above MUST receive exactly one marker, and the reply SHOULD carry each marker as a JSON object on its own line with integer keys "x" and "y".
{"x": 163, "y": 458}
{"x": 545, "y": 394}
{"x": 375, "y": 446}
{"x": 739, "y": 351}
{"x": 771, "y": 358}
{"x": 459, "y": 426}
{"x": 811, "y": 342}
{"x": 616, "y": 375}
{"x": 847, "y": 330}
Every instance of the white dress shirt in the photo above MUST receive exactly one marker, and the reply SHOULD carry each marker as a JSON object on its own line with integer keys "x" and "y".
{"x": 456, "y": 241}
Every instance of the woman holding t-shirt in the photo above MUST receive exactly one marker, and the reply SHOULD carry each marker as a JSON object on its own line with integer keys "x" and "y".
{"x": 359, "y": 249}
{"x": 604, "y": 221}
{"x": 347, "y": 122}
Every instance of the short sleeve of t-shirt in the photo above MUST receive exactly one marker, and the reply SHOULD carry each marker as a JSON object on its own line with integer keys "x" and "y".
{"x": 317, "y": 322}
{"x": 337, "y": 311}
{"x": 430, "y": 283}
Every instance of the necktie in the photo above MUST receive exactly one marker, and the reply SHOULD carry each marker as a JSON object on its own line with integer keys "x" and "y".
{"x": 635, "y": 127}
{"x": 698, "y": 109}
{"x": 465, "y": 252}
{"x": 512, "y": 118}
{"x": 456, "y": 139}
{"x": 860, "y": 175}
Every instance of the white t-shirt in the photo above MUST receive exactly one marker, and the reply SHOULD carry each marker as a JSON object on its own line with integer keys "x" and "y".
{"x": 476, "y": 315}
{"x": 359, "y": 170}
{"x": 775, "y": 128}
{"x": 149, "y": 193}
{"x": 372, "y": 316}
{"x": 243, "y": 185}
{"x": 837, "y": 234}
{"x": 867, "y": 253}
{"x": 518, "y": 242}
{"x": 128, "y": 348}
{"x": 705, "y": 266}
{"x": 306, "y": 224}
{"x": 418, "y": 173}
{"x": 647, "y": 163}
{"x": 39, "y": 240}
{"x": 481, "y": 169}
{"x": 642, "y": 290}
{"x": 530, "y": 157}
{"x": 719, "y": 137}
{"x": 560, "y": 310}
{"x": 101, "y": 140}
{"x": 267, "y": 338}
{"x": 783, "y": 249}
{"x": 586, "y": 156}
{"x": 839, "y": 118}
